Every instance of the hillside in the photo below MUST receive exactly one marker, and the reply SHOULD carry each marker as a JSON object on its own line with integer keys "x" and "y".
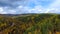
{"x": 30, "y": 24}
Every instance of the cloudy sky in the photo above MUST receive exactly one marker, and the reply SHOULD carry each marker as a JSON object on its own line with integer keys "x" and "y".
{"x": 29, "y": 6}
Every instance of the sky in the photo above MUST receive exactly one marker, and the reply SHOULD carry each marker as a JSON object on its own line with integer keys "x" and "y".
{"x": 29, "y": 6}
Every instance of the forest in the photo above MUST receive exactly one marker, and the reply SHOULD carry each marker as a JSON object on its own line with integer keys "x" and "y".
{"x": 30, "y": 24}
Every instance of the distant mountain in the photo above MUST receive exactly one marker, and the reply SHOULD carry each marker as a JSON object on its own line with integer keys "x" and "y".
{"x": 10, "y": 15}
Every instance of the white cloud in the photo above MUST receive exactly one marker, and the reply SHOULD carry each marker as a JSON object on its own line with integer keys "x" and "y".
{"x": 52, "y": 8}
{"x": 7, "y": 10}
{"x": 11, "y": 12}
{"x": 55, "y": 4}
{"x": 2, "y": 11}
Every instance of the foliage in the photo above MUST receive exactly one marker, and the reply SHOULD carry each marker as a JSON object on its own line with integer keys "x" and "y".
{"x": 30, "y": 24}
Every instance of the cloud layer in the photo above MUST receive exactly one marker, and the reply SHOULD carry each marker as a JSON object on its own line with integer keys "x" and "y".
{"x": 29, "y": 6}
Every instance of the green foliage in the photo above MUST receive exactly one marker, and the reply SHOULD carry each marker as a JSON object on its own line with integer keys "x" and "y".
{"x": 34, "y": 23}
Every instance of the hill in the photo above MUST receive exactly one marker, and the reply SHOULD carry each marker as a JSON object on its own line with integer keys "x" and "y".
{"x": 29, "y": 23}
